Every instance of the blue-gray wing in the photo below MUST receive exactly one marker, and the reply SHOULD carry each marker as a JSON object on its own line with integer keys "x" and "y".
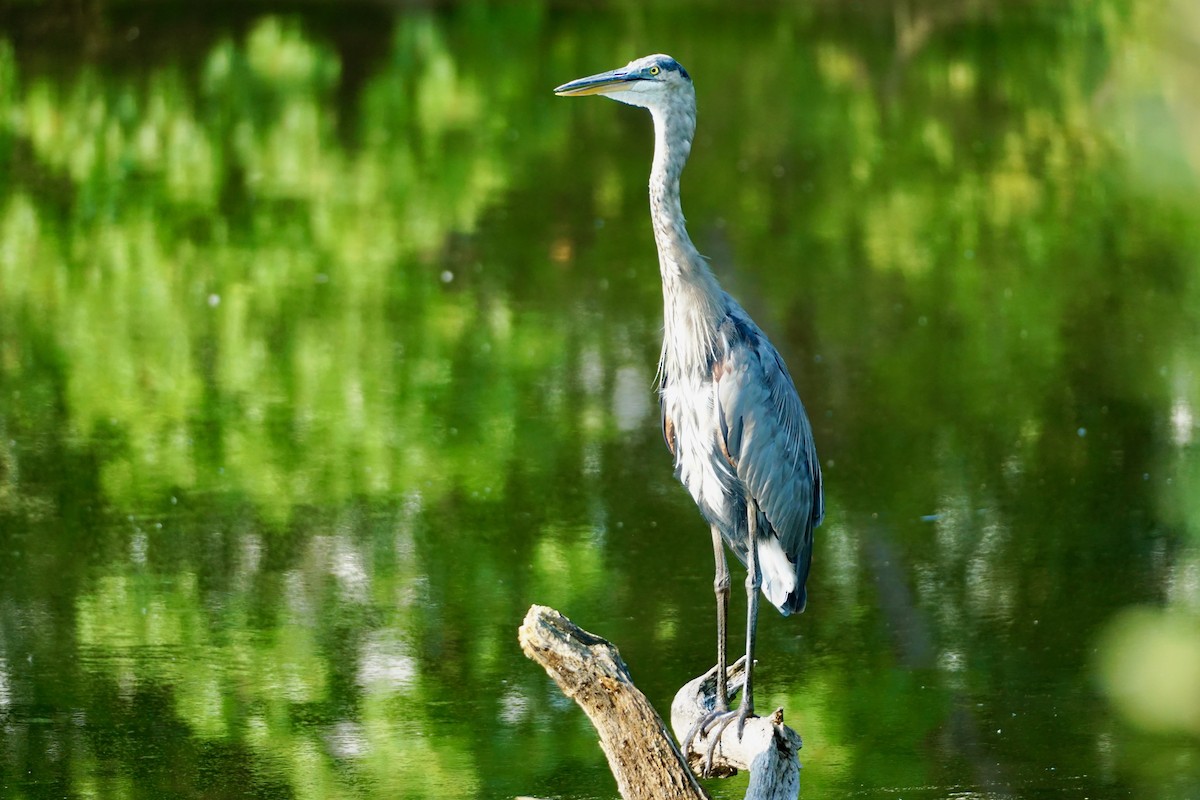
{"x": 768, "y": 440}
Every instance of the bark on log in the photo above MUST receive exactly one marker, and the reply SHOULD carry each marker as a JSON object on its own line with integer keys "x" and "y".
{"x": 641, "y": 753}
{"x": 767, "y": 748}
{"x": 589, "y": 670}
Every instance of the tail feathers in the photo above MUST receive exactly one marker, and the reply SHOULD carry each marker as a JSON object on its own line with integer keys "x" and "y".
{"x": 794, "y": 603}
{"x": 783, "y": 579}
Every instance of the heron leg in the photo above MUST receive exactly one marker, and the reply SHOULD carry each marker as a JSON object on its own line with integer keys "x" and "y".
{"x": 721, "y": 588}
{"x": 721, "y": 702}
{"x": 721, "y": 717}
{"x": 745, "y": 708}
{"x": 753, "y": 584}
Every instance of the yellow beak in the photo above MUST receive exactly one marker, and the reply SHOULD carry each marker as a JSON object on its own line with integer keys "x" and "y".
{"x": 603, "y": 83}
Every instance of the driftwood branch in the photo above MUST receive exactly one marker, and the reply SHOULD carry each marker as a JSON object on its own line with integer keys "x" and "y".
{"x": 643, "y": 757}
{"x": 767, "y": 748}
{"x": 590, "y": 671}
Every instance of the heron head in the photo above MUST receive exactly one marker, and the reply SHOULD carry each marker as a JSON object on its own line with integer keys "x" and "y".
{"x": 648, "y": 82}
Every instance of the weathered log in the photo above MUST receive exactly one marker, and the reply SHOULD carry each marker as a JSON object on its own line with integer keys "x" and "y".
{"x": 767, "y": 748}
{"x": 643, "y": 757}
{"x": 590, "y": 671}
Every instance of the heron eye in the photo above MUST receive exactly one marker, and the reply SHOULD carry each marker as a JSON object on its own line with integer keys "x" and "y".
{"x": 654, "y": 70}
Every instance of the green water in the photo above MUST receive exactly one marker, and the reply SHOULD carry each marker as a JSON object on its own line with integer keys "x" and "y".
{"x": 327, "y": 345}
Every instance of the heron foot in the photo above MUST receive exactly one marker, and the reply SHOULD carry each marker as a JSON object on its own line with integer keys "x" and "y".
{"x": 711, "y": 726}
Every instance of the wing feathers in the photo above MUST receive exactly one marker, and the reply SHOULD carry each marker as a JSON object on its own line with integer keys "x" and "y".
{"x": 768, "y": 439}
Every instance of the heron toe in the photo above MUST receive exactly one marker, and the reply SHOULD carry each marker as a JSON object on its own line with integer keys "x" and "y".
{"x": 711, "y": 726}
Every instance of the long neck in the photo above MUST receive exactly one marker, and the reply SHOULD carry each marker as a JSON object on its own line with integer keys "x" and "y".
{"x": 692, "y": 298}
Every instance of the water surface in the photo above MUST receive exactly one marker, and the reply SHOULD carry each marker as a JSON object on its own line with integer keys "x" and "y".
{"x": 327, "y": 346}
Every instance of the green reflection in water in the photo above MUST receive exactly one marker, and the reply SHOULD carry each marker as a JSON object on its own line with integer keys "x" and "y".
{"x": 233, "y": 316}
{"x": 327, "y": 348}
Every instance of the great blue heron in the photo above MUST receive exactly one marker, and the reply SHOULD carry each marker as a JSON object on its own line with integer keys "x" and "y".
{"x": 731, "y": 417}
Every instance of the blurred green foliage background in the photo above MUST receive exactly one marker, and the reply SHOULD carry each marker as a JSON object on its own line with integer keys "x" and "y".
{"x": 327, "y": 341}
